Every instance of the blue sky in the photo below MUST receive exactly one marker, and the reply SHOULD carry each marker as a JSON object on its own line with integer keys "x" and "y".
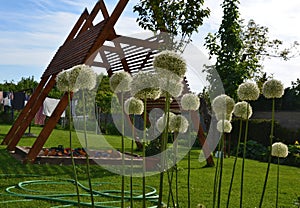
{"x": 32, "y": 30}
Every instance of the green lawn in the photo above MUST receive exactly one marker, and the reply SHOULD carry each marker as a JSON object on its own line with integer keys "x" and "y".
{"x": 12, "y": 172}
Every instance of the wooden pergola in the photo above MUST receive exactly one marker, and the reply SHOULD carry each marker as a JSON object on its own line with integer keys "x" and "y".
{"x": 83, "y": 45}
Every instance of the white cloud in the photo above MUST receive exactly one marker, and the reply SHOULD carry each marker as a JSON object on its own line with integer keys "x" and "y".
{"x": 33, "y": 36}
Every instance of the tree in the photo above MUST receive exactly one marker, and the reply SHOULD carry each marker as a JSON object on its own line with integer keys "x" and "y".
{"x": 227, "y": 49}
{"x": 104, "y": 98}
{"x": 291, "y": 97}
{"x": 240, "y": 49}
{"x": 178, "y": 18}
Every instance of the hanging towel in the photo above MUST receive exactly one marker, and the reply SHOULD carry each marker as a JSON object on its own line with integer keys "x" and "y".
{"x": 39, "y": 117}
{"x": 18, "y": 100}
{"x": 6, "y": 101}
{"x": 49, "y": 105}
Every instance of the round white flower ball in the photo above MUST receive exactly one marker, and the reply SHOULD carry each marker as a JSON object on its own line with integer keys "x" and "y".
{"x": 170, "y": 60}
{"x": 120, "y": 82}
{"x": 190, "y": 101}
{"x": 179, "y": 124}
{"x": 133, "y": 106}
{"x": 86, "y": 78}
{"x": 240, "y": 110}
{"x": 223, "y": 104}
{"x": 145, "y": 85}
{"x": 62, "y": 81}
{"x": 273, "y": 89}
{"x": 226, "y": 124}
{"x": 248, "y": 91}
{"x": 280, "y": 150}
{"x": 222, "y": 116}
{"x": 160, "y": 123}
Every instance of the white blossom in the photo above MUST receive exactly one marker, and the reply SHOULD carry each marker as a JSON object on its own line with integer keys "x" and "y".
{"x": 248, "y": 91}
{"x": 273, "y": 89}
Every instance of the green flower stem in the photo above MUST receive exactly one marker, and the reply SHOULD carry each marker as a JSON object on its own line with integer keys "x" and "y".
{"x": 235, "y": 161}
{"x": 175, "y": 167}
{"x": 170, "y": 181}
{"x": 171, "y": 195}
{"x": 244, "y": 156}
{"x": 163, "y": 147}
{"x": 87, "y": 155}
{"x": 131, "y": 161}
{"x": 71, "y": 147}
{"x": 277, "y": 188}
{"x": 122, "y": 150}
{"x": 189, "y": 165}
{"x": 144, "y": 153}
{"x": 269, "y": 154}
{"x": 216, "y": 178}
{"x": 221, "y": 169}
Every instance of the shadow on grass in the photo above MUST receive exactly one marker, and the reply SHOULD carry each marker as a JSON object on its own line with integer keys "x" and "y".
{"x": 11, "y": 167}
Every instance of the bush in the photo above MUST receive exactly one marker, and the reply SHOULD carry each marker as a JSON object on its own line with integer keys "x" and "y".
{"x": 293, "y": 157}
{"x": 254, "y": 150}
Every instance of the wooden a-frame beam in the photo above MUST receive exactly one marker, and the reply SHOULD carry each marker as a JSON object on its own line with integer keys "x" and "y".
{"x": 36, "y": 100}
{"x": 37, "y": 103}
{"x": 45, "y": 133}
{"x": 89, "y": 20}
{"x": 77, "y": 25}
{"x": 22, "y": 118}
{"x": 107, "y": 30}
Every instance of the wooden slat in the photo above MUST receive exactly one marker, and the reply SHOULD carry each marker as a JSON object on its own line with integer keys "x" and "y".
{"x": 108, "y": 27}
{"x": 48, "y": 128}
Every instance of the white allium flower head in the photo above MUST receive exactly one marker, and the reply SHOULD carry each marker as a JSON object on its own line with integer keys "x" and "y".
{"x": 223, "y": 104}
{"x": 172, "y": 87}
{"x": 273, "y": 89}
{"x": 133, "y": 106}
{"x": 279, "y": 150}
{"x": 224, "y": 116}
{"x": 62, "y": 81}
{"x": 170, "y": 60}
{"x": 240, "y": 110}
{"x": 145, "y": 85}
{"x": 73, "y": 75}
{"x": 190, "y": 101}
{"x": 248, "y": 91}
{"x": 160, "y": 123}
{"x": 227, "y": 126}
{"x": 120, "y": 82}
{"x": 86, "y": 78}
{"x": 179, "y": 124}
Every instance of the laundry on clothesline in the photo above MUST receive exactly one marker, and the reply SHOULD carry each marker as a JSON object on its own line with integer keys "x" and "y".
{"x": 18, "y": 101}
{"x": 49, "y": 106}
{"x": 39, "y": 118}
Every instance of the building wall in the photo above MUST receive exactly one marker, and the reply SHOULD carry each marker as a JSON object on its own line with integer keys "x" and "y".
{"x": 290, "y": 120}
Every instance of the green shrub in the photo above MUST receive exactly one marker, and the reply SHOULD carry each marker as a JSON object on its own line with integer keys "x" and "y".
{"x": 293, "y": 157}
{"x": 254, "y": 150}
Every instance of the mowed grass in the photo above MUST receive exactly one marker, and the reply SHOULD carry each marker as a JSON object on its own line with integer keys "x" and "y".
{"x": 53, "y": 181}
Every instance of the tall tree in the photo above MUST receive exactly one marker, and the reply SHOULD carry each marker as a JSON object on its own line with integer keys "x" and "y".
{"x": 176, "y": 17}
{"x": 228, "y": 48}
{"x": 240, "y": 49}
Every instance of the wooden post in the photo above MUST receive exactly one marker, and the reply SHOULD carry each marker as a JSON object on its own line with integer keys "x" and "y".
{"x": 202, "y": 139}
{"x": 45, "y": 133}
